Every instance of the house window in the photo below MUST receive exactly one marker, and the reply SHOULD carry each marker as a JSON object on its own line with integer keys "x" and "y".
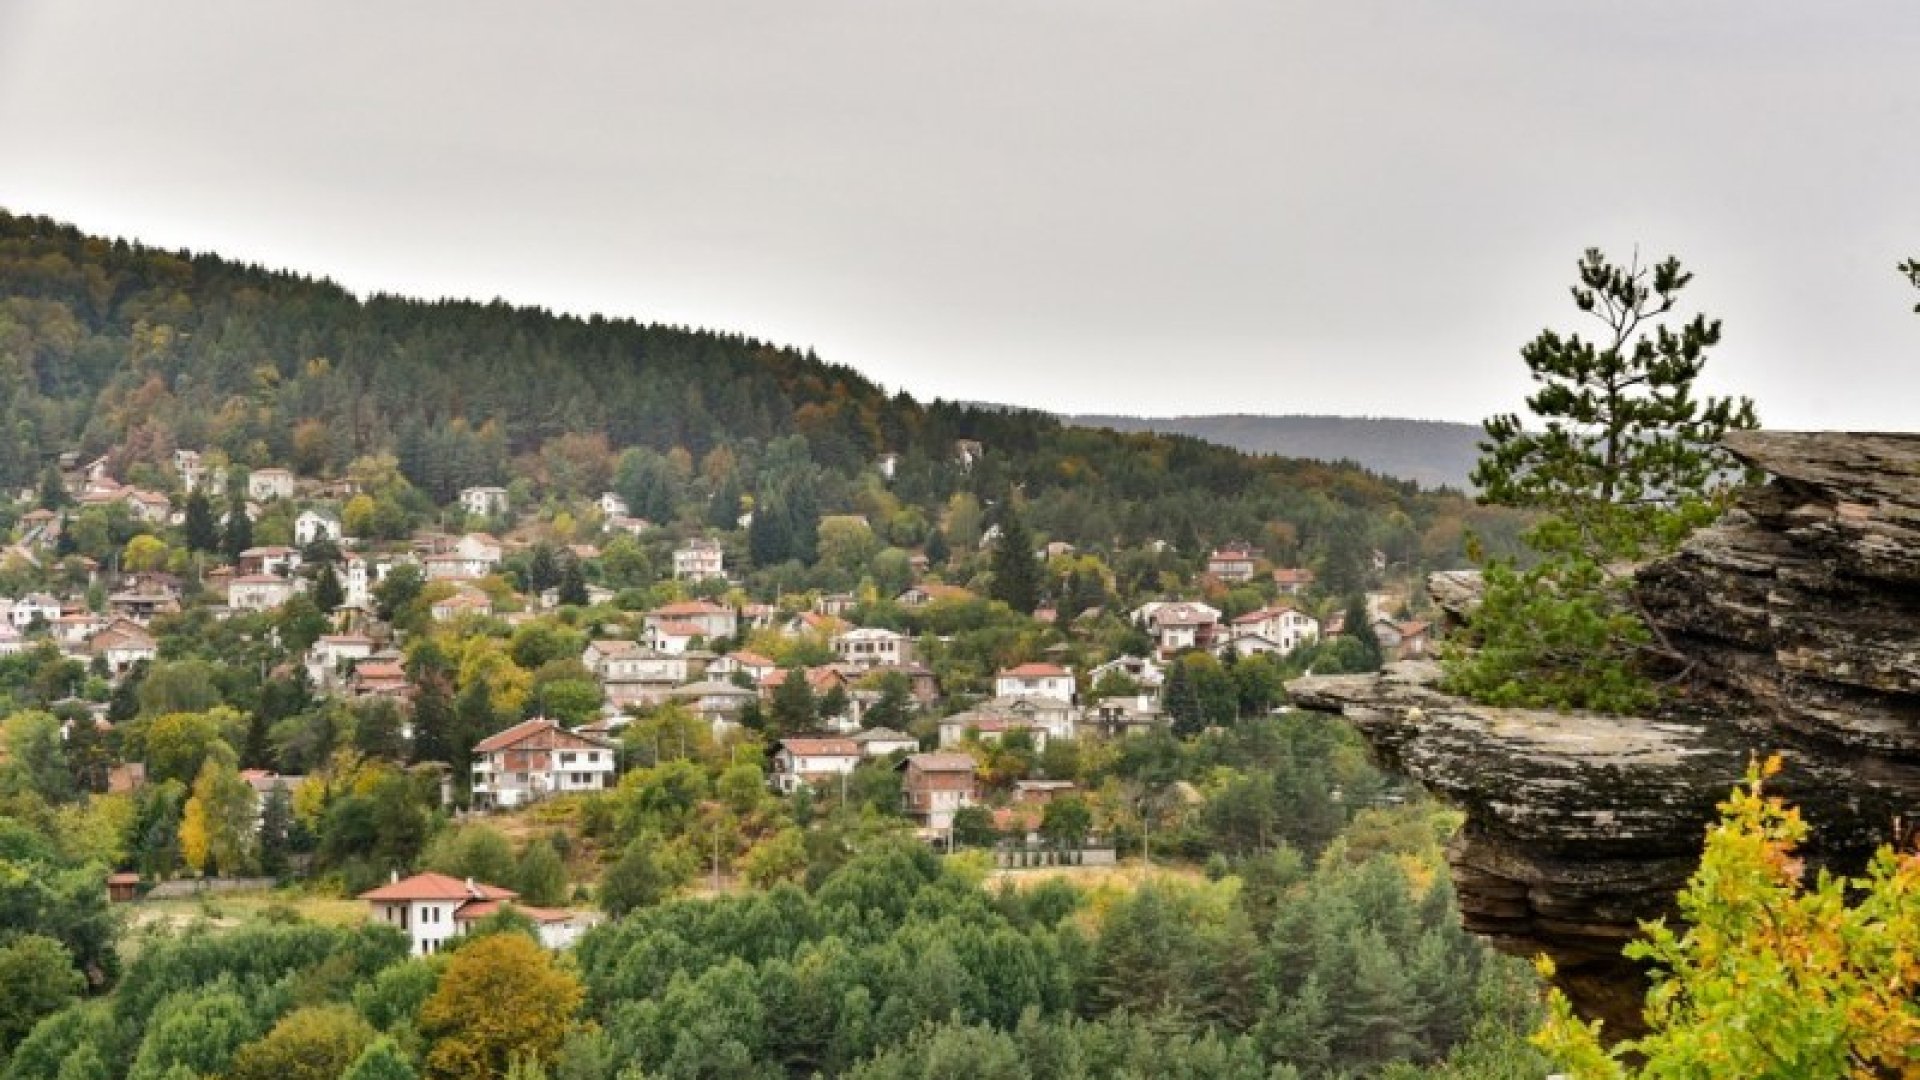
{"x": 566, "y": 757}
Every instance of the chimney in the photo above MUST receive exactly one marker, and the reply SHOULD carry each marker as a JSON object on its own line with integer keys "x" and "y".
{"x": 471, "y": 891}
{"x": 393, "y": 877}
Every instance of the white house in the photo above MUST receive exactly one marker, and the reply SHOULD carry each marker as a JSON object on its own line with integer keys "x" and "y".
{"x": 612, "y": 505}
{"x": 356, "y": 583}
{"x": 879, "y": 742}
{"x": 467, "y": 601}
{"x": 1035, "y": 681}
{"x": 700, "y": 560}
{"x": 316, "y": 525}
{"x": 870, "y": 647}
{"x": 718, "y": 703}
{"x": 537, "y": 758}
{"x": 123, "y": 645}
{"x": 712, "y": 620}
{"x": 1144, "y": 672}
{"x": 433, "y": 908}
{"x": 813, "y": 762}
{"x": 1178, "y": 625}
{"x": 258, "y": 592}
{"x": 264, "y": 484}
{"x": 1233, "y": 562}
{"x": 484, "y": 501}
{"x": 332, "y": 658}
{"x": 1044, "y": 719}
{"x": 1282, "y": 629}
{"x": 751, "y": 664}
{"x": 481, "y": 551}
{"x": 33, "y": 606}
{"x": 671, "y": 637}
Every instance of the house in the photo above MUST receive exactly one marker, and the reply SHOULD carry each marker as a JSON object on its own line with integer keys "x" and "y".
{"x": 632, "y": 526}
{"x": 466, "y": 601}
{"x": 718, "y": 703}
{"x": 1043, "y": 719}
{"x": 276, "y": 559}
{"x": 484, "y": 501}
{"x": 537, "y": 758}
{"x": 123, "y": 887}
{"x": 1041, "y": 792}
{"x": 78, "y": 627}
{"x": 699, "y": 560}
{"x": 258, "y": 592}
{"x": 1115, "y": 717}
{"x": 12, "y": 641}
{"x": 880, "y": 742}
{"x": 709, "y": 619}
{"x": 812, "y": 762}
{"x": 313, "y": 526}
{"x": 868, "y": 648}
{"x": 356, "y": 583}
{"x": 148, "y": 506}
{"x": 378, "y": 678}
{"x": 671, "y": 636}
{"x": 1035, "y": 681}
{"x": 809, "y": 623}
{"x": 612, "y": 505}
{"x": 888, "y": 464}
{"x": 1233, "y": 562}
{"x": 264, "y": 484}
{"x": 433, "y": 908}
{"x": 933, "y": 787}
{"x": 836, "y": 604}
{"x": 967, "y": 451}
{"x": 1292, "y": 581}
{"x": 1143, "y": 672}
{"x": 122, "y": 645}
{"x": 33, "y": 606}
{"x": 1402, "y": 640}
{"x": 481, "y": 551}
{"x": 333, "y": 657}
{"x": 1282, "y": 628}
{"x": 751, "y": 664}
{"x": 820, "y": 679}
{"x": 921, "y": 595}
{"x": 1178, "y": 625}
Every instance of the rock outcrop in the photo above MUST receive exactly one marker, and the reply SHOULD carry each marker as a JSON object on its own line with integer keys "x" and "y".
{"x": 1799, "y": 617}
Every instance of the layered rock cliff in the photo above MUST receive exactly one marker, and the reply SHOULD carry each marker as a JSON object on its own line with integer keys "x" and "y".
{"x": 1799, "y": 616}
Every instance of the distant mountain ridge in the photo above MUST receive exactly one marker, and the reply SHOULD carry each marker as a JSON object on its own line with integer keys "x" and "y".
{"x": 1432, "y": 453}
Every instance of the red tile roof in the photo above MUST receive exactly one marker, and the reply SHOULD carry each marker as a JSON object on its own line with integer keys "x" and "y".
{"x": 804, "y": 747}
{"x": 559, "y": 737}
{"x": 432, "y": 886}
{"x": 480, "y": 909}
{"x": 1037, "y": 671}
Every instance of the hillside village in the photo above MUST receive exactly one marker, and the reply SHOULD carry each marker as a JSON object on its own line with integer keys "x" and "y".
{"x": 603, "y": 658}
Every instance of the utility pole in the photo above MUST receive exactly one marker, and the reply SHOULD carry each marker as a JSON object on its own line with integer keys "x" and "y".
{"x": 716, "y": 858}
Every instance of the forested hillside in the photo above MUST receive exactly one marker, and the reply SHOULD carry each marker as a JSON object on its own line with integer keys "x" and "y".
{"x": 1429, "y": 452}
{"x": 109, "y": 346}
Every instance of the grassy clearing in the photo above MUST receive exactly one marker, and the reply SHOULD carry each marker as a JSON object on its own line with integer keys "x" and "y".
{"x": 1126, "y": 877}
{"x": 232, "y": 909}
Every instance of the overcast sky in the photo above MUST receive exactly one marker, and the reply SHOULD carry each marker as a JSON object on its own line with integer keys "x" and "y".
{"x": 1347, "y": 206}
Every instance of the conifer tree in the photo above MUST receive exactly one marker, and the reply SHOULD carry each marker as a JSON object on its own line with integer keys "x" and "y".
{"x": 1016, "y": 574}
{"x": 1623, "y": 460}
{"x": 573, "y": 584}
{"x": 327, "y": 591}
{"x": 202, "y": 531}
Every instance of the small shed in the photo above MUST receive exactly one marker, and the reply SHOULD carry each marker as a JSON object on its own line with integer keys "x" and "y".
{"x": 123, "y": 887}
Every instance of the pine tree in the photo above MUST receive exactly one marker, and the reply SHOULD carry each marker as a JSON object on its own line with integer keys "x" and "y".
{"x": 793, "y": 705}
{"x": 543, "y": 569}
{"x": 1016, "y": 573}
{"x": 53, "y": 490}
{"x": 1623, "y": 460}
{"x": 1617, "y": 450}
{"x": 327, "y": 591}
{"x": 239, "y": 533}
{"x": 1185, "y": 711}
{"x": 276, "y": 826}
{"x": 572, "y": 584}
{"x": 202, "y": 530}
{"x": 938, "y": 553}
